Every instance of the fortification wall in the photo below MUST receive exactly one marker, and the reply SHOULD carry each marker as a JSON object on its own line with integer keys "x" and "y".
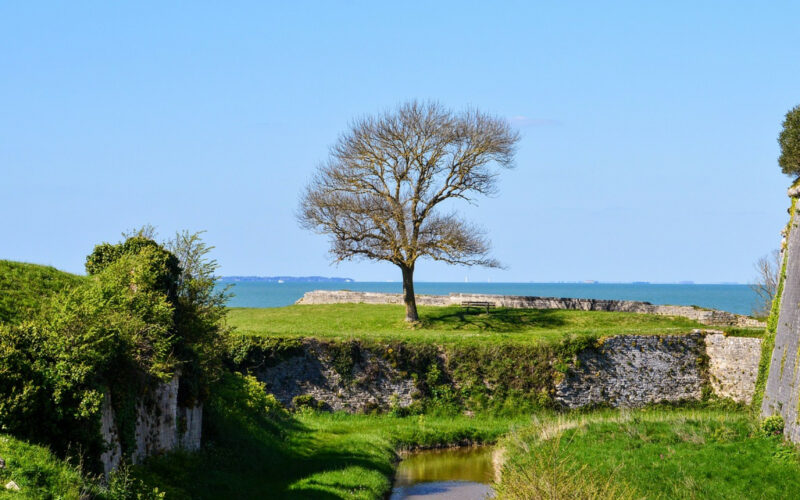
{"x": 370, "y": 383}
{"x": 636, "y": 370}
{"x": 783, "y": 382}
{"x": 161, "y": 426}
{"x": 704, "y": 316}
{"x": 733, "y": 366}
{"x": 625, "y": 371}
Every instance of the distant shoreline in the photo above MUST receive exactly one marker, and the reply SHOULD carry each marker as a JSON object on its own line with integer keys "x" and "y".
{"x": 325, "y": 279}
{"x": 284, "y": 279}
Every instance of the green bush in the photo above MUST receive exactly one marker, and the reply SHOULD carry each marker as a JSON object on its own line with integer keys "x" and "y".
{"x": 772, "y": 426}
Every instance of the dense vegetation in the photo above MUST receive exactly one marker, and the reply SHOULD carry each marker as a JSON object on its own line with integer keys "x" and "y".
{"x": 648, "y": 454}
{"x": 68, "y": 342}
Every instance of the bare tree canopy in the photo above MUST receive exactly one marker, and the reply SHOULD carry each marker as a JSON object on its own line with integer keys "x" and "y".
{"x": 768, "y": 268}
{"x": 380, "y": 193}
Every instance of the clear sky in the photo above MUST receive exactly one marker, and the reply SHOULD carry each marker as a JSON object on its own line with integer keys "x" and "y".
{"x": 648, "y": 129}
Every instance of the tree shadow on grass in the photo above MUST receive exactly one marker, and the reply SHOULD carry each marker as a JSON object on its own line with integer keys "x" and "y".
{"x": 502, "y": 320}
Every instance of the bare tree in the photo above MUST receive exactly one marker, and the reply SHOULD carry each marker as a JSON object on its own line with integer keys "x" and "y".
{"x": 768, "y": 268}
{"x": 380, "y": 194}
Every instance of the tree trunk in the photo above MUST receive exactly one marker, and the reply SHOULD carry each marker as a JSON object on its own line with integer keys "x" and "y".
{"x": 408, "y": 294}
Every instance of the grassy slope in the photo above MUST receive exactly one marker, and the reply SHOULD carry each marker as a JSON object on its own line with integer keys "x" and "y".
{"x": 23, "y": 290}
{"x": 24, "y": 287}
{"x": 650, "y": 454}
{"x": 38, "y": 472}
{"x": 253, "y": 454}
{"x": 448, "y": 325}
{"x": 602, "y": 454}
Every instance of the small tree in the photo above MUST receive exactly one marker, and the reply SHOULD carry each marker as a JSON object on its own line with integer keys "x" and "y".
{"x": 768, "y": 268}
{"x": 381, "y": 192}
{"x": 789, "y": 140}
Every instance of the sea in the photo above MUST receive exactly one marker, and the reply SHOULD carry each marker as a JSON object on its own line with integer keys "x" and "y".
{"x": 740, "y": 299}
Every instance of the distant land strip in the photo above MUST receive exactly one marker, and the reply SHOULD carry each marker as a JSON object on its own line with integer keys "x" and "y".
{"x": 285, "y": 279}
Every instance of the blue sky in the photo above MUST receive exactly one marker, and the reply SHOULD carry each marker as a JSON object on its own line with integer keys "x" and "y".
{"x": 648, "y": 129}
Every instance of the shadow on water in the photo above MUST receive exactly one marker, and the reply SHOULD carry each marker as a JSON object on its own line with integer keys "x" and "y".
{"x": 498, "y": 320}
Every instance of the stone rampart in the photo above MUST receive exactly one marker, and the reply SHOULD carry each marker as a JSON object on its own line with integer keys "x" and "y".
{"x": 733, "y": 366}
{"x": 370, "y": 384}
{"x": 636, "y": 370}
{"x": 704, "y": 316}
{"x": 782, "y": 390}
{"x": 161, "y": 425}
{"x": 624, "y": 371}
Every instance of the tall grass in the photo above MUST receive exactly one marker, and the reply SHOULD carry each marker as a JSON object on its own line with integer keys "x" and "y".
{"x": 647, "y": 454}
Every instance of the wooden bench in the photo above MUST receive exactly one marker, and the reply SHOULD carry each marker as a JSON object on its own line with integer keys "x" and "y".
{"x": 478, "y": 303}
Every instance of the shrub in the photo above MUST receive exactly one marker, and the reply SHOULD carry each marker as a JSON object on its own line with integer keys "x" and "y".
{"x": 772, "y": 426}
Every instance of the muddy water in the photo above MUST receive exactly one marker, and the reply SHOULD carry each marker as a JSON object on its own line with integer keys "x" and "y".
{"x": 457, "y": 473}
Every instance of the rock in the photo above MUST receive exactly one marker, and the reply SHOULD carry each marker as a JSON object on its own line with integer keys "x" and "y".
{"x": 2, "y": 464}
{"x": 12, "y": 486}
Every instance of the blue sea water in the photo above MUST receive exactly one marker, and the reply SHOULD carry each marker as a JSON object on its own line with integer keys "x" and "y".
{"x": 734, "y": 298}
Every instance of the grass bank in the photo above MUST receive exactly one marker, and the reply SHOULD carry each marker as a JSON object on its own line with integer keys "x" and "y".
{"x": 448, "y": 325}
{"x": 40, "y": 474}
{"x": 648, "y": 454}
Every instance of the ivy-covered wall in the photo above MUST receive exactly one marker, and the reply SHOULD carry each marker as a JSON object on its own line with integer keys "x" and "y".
{"x": 625, "y": 370}
{"x": 779, "y": 372}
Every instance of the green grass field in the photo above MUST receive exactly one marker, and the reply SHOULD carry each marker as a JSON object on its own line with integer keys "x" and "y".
{"x": 448, "y": 325}
{"x": 649, "y": 454}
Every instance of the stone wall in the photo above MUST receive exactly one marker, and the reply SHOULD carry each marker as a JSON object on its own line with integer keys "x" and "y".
{"x": 636, "y": 370}
{"x": 112, "y": 456}
{"x": 783, "y": 382}
{"x": 625, "y": 370}
{"x": 161, "y": 425}
{"x": 733, "y": 366}
{"x": 371, "y": 383}
{"x": 704, "y": 316}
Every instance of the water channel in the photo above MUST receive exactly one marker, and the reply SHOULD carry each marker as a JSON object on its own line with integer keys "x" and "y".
{"x": 454, "y": 473}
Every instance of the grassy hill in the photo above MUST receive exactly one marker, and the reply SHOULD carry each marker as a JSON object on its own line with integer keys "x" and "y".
{"x": 24, "y": 287}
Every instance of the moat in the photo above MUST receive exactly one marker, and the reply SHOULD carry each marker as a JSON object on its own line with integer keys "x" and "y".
{"x": 455, "y": 473}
